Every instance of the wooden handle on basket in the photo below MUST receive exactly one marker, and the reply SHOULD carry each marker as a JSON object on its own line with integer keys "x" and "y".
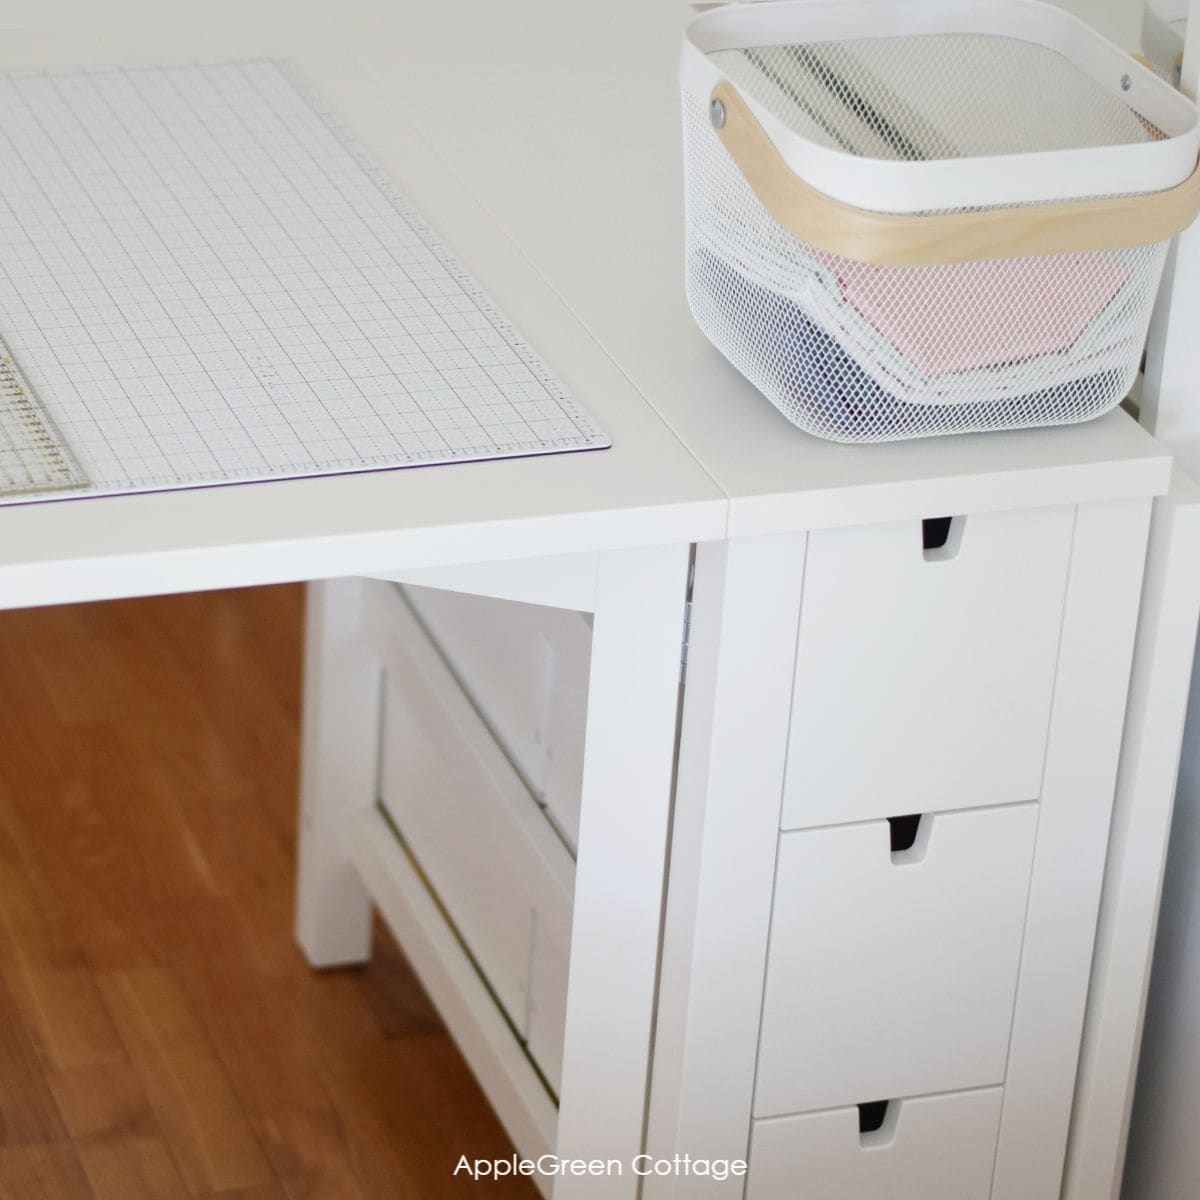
{"x": 904, "y": 240}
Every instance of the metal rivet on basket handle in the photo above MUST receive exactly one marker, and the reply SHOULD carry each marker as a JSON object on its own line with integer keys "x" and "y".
{"x": 903, "y": 240}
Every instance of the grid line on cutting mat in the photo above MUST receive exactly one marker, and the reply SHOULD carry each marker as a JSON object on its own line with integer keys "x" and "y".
{"x": 206, "y": 280}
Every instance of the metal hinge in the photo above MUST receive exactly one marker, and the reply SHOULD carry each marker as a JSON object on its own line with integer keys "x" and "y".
{"x": 687, "y": 633}
{"x": 687, "y": 616}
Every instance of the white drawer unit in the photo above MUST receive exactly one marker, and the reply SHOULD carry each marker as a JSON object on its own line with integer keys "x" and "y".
{"x": 923, "y": 1148}
{"x": 483, "y": 845}
{"x": 525, "y": 667}
{"x": 892, "y": 973}
{"x": 895, "y": 880}
{"x": 924, "y": 676}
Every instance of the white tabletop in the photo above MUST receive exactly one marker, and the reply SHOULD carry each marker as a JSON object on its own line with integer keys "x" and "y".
{"x": 566, "y": 124}
{"x": 545, "y": 147}
{"x": 646, "y": 490}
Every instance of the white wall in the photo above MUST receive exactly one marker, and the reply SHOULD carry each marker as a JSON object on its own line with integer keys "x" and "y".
{"x": 1163, "y": 1160}
{"x": 1118, "y": 19}
{"x": 40, "y": 14}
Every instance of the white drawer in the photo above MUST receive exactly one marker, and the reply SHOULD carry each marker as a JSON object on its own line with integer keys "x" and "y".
{"x": 924, "y": 678}
{"x": 501, "y": 873}
{"x": 928, "y": 1148}
{"x": 893, "y": 974}
{"x": 525, "y": 667}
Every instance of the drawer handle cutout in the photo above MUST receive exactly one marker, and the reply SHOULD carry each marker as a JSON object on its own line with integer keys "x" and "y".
{"x": 941, "y": 538}
{"x": 905, "y": 832}
{"x": 877, "y": 1122}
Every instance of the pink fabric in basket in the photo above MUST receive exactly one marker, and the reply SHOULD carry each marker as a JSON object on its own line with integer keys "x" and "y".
{"x": 970, "y": 315}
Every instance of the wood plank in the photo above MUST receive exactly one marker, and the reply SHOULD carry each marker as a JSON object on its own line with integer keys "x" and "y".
{"x": 265, "y": 1047}
{"x": 391, "y": 992}
{"x": 263, "y": 1191}
{"x": 186, "y": 1084}
{"x": 408, "y": 1111}
{"x": 309, "y": 1155}
{"x": 62, "y": 1007}
{"x": 138, "y": 1167}
{"x": 29, "y": 916}
{"x": 107, "y": 1100}
{"x": 154, "y": 1007}
{"x": 42, "y": 1171}
{"x": 27, "y": 1110}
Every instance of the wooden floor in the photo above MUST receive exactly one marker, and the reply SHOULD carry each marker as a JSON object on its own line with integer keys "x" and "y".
{"x": 160, "y": 1034}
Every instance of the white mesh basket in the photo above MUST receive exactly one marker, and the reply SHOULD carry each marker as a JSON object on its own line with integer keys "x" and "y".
{"x": 919, "y": 217}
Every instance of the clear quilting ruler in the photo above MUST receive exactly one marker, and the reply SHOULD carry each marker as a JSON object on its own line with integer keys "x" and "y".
{"x": 33, "y": 457}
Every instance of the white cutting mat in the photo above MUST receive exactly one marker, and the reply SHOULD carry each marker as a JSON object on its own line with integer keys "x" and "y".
{"x": 204, "y": 279}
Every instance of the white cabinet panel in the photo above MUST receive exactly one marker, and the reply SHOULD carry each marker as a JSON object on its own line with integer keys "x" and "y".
{"x": 924, "y": 677}
{"x": 499, "y": 871}
{"x": 893, "y": 974}
{"x": 549, "y": 964}
{"x": 525, "y": 668}
{"x": 447, "y": 812}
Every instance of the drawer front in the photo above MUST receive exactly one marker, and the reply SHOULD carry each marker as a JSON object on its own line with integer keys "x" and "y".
{"x": 525, "y": 668}
{"x": 928, "y": 1148}
{"x": 893, "y": 973}
{"x": 501, "y": 873}
{"x": 924, "y": 677}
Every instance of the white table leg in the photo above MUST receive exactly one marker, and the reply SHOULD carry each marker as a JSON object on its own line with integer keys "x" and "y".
{"x": 1078, "y": 784}
{"x": 745, "y": 618}
{"x": 337, "y": 775}
{"x": 1163, "y": 1156}
{"x": 628, "y": 763}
